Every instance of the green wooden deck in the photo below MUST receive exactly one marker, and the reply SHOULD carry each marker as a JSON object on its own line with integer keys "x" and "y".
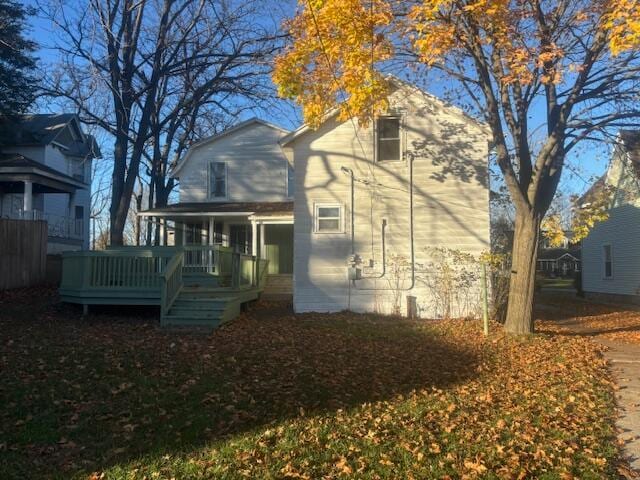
{"x": 192, "y": 285}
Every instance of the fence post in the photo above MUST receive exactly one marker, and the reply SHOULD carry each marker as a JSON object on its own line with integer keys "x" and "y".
{"x": 485, "y": 300}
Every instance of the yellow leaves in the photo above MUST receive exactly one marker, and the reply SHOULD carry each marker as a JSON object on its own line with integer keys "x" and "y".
{"x": 331, "y": 60}
{"x": 622, "y": 23}
{"x": 594, "y": 209}
{"x": 552, "y": 230}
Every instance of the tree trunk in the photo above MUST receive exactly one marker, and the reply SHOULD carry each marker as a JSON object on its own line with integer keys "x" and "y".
{"x": 523, "y": 274}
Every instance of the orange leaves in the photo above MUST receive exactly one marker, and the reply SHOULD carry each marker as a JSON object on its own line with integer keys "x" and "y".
{"x": 331, "y": 60}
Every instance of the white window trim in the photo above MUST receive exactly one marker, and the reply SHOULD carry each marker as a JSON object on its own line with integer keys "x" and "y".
{"x": 400, "y": 118}
{"x": 316, "y": 217}
{"x": 226, "y": 182}
{"x": 286, "y": 180}
{"x": 603, "y": 264}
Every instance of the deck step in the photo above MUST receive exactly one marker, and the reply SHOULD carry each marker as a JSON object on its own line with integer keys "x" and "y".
{"x": 197, "y": 312}
{"x": 178, "y": 320}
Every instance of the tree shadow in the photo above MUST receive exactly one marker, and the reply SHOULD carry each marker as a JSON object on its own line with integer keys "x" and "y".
{"x": 127, "y": 389}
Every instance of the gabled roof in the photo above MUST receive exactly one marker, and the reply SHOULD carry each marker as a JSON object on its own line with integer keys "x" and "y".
{"x": 44, "y": 129}
{"x": 630, "y": 140}
{"x": 558, "y": 253}
{"x": 224, "y": 133}
{"x": 398, "y": 83}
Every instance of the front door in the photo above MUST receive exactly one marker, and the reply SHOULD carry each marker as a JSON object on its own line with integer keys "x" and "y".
{"x": 240, "y": 238}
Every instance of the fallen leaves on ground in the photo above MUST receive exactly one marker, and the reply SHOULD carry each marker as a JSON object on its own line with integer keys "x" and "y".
{"x": 277, "y": 395}
{"x": 565, "y": 315}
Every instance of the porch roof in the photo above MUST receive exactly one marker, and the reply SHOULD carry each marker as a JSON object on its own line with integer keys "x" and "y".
{"x": 262, "y": 209}
{"x": 15, "y": 167}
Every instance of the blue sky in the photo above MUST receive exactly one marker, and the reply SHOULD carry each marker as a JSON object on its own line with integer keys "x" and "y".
{"x": 585, "y": 163}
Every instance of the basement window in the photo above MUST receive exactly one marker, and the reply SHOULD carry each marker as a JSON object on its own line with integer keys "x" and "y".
{"x": 328, "y": 218}
{"x": 388, "y": 139}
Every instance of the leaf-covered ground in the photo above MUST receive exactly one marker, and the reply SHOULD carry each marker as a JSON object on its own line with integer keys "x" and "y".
{"x": 567, "y": 315}
{"x": 273, "y": 395}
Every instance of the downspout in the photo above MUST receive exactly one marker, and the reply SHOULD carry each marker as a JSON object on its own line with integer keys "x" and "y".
{"x": 349, "y": 172}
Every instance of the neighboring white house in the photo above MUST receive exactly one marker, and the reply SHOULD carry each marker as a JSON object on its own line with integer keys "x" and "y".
{"x": 45, "y": 174}
{"x": 611, "y": 251}
{"x": 412, "y": 180}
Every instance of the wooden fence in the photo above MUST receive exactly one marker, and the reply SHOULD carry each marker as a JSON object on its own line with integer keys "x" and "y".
{"x": 23, "y": 252}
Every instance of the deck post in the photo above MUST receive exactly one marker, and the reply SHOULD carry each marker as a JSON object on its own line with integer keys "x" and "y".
{"x": 262, "y": 252}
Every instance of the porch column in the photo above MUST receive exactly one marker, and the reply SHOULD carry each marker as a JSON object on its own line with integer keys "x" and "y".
{"x": 212, "y": 230}
{"x": 262, "y": 252}
{"x": 71, "y": 223}
{"x": 163, "y": 232}
{"x": 254, "y": 238}
{"x": 27, "y": 200}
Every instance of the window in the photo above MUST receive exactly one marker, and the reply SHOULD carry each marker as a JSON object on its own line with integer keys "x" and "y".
{"x": 291, "y": 181}
{"x": 607, "y": 261}
{"x": 328, "y": 218}
{"x": 388, "y": 139}
{"x": 218, "y": 180}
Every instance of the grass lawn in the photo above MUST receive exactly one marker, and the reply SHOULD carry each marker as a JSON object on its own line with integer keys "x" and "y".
{"x": 273, "y": 395}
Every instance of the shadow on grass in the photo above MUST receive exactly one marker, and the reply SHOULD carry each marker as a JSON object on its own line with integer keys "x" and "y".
{"x": 87, "y": 394}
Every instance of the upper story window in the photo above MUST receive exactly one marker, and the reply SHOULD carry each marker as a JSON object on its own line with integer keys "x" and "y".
{"x": 329, "y": 218}
{"x": 607, "y": 261}
{"x": 388, "y": 144}
{"x": 218, "y": 180}
{"x": 291, "y": 181}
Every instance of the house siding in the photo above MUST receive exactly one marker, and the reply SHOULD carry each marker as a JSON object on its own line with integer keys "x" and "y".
{"x": 622, "y": 231}
{"x": 256, "y": 166}
{"x": 451, "y": 205}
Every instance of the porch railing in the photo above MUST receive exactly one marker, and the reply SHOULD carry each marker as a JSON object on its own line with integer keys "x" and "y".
{"x": 114, "y": 269}
{"x": 171, "y": 284}
{"x": 154, "y": 269}
{"x": 58, "y": 226}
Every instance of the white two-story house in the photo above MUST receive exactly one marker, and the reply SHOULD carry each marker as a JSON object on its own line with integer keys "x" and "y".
{"x": 45, "y": 174}
{"x": 347, "y": 215}
{"x": 236, "y": 190}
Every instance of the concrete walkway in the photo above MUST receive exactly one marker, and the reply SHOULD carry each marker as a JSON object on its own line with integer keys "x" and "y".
{"x": 625, "y": 365}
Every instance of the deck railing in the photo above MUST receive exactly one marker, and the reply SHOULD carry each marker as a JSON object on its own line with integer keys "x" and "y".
{"x": 114, "y": 269}
{"x": 171, "y": 284}
{"x": 145, "y": 270}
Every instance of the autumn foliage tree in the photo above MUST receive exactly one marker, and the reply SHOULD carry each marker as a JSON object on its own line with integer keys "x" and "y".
{"x": 573, "y": 62}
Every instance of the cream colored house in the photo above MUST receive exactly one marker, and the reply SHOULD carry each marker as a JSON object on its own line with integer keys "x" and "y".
{"x": 354, "y": 224}
{"x": 372, "y": 203}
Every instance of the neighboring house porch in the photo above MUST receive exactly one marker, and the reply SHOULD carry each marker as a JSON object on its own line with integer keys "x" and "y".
{"x": 23, "y": 184}
{"x": 260, "y": 229}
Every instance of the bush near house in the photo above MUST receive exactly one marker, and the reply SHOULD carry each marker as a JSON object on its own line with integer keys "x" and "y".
{"x": 275, "y": 395}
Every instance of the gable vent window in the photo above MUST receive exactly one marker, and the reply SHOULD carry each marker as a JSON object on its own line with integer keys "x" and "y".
{"x": 607, "y": 261}
{"x": 218, "y": 180}
{"x": 328, "y": 218}
{"x": 388, "y": 145}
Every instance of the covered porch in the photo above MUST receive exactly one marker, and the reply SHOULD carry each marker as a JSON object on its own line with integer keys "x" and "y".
{"x": 23, "y": 183}
{"x": 262, "y": 230}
